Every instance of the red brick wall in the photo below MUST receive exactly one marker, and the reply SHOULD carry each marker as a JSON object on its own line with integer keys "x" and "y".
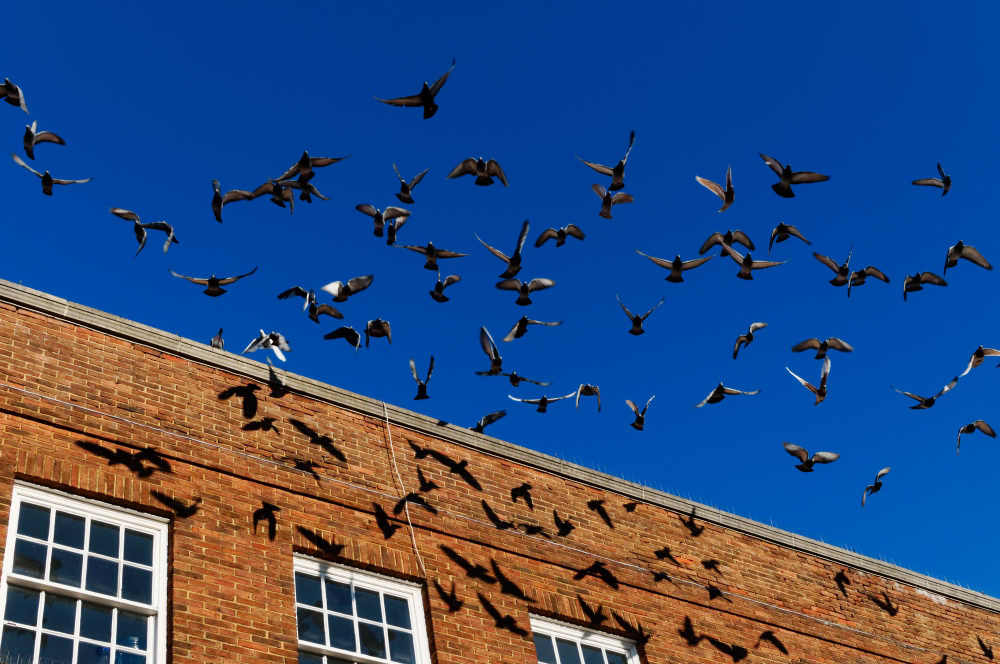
{"x": 231, "y": 591}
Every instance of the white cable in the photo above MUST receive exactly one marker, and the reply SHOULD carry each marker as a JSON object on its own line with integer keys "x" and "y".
{"x": 406, "y": 503}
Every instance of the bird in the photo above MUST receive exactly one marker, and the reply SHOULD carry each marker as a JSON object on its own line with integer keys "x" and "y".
{"x": 842, "y": 272}
{"x": 917, "y": 281}
{"x": 788, "y": 177}
{"x": 330, "y": 548}
{"x": 341, "y": 291}
{"x": 820, "y": 391}
{"x": 267, "y": 512}
{"x": 927, "y": 402}
{"x": 514, "y": 260}
{"x": 263, "y": 424}
{"x": 213, "y": 284}
{"x": 421, "y": 384}
{"x": 600, "y": 571}
{"x": 782, "y": 232}
{"x": 349, "y": 334}
{"x": 745, "y": 339}
{"x": 543, "y": 401}
{"x": 987, "y": 649}
{"x": 524, "y": 289}
{"x": 735, "y": 652}
{"x": 721, "y": 392}
{"x": 499, "y": 523}
{"x": 488, "y": 419}
{"x": 944, "y": 182}
{"x": 315, "y": 310}
{"x": 405, "y": 194}
{"x": 676, "y": 266}
{"x": 392, "y": 228}
{"x": 515, "y": 378}
{"x": 382, "y": 521}
{"x": 472, "y": 570}
{"x": 484, "y": 170}
{"x": 688, "y": 633}
{"x": 726, "y": 240}
{"x": 978, "y": 356}
{"x": 424, "y": 98}
{"x": 521, "y": 327}
{"x": 842, "y": 582}
{"x": 32, "y": 137}
{"x": 438, "y": 293}
{"x": 807, "y": 462}
{"x": 969, "y": 253}
{"x": 450, "y": 599}
{"x": 140, "y": 228}
{"x": 640, "y": 417}
{"x": 176, "y": 506}
{"x": 432, "y": 254}
{"x": 219, "y": 199}
{"x": 617, "y": 173}
{"x": 664, "y": 553}
{"x": 560, "y": 235}
{"x": 275, "y": 341}
{"x": 217, "y": 341}
{"x": 563, "y": 526}
{"x": 728, "y": 195}
{"x": 13, "y": 95}
{"x": 501, "y": 621}
{"x": 607, "y": 199}
{"x": 47, "y": 179}
{"x": 821, "y": 347}
{"x": 872, "y": 489}
{"x": 637, "y": 321}
{"x": 377, "y": 328}
{"x": 691, "y": 525}
{"x": 425, "y": 485}
{"x": 381, "y": 217}
{"x": 303, "y": 168}
{"x": 594, "y": 616}
{"x": 587, "y": 390}
{"x": 748, "y": 264}
{"x": 246, "y": 393}
{"x": 858, "y": 277}
{"x": 769, "y": 636}
{"x": 523, "y": 492}
{"x": 490, "y": 348}
{"x": 306, "y": 189}
{"x": 279, "y": 194}
{"x": 971, "y": 428}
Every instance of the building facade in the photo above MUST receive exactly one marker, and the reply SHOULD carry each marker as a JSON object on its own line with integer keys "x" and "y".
{"x": 165, "y": 502}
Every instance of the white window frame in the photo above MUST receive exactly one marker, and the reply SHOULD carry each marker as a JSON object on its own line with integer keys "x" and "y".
{"x": 368, "y": 581}
{"x": 588, "y": 637}
{"x": 156, "y": 526}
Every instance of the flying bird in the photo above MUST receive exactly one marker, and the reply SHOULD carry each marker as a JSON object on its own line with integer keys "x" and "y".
{"x": 306, "y": 189}
{"x": 586, "y": 390}
{"x": 788, "y": 177}
{"x": 487, "y": 420}
{"x": 524, "y": 289}
{"x": 315, "y": 310}
{"x": 748, "y": 264}
{"x": 521, "y": 327}
{"x": 514, "y": 260}
{"x": 303, "y": 168}
{"x": 726, "y": 240}
{"x": 421, "y": 384}
{"x": 560, "y": 235}
{"x": 782, "y": 232}
{"x": 438, "y": 293}
{"x": 771, "y": 637}
{"x": 944, "y": 182}
{"x": 13, "y": 95}
{"x": 746, "y": 339}
{"x": 597, "y": 506}
{"x": 987, "y": 649}
{"x": 484, "y": 170}
{"x": 405, "y": 194}
{"x": 33, "y": 138}
{"x": 279, "y": 194}
{"x": 691, "y": 525}
{"x": 637, "y": 321}
{"x": 917, "y": 281}
{"x": 140, "y": 228}
{"x": 341, "y": 291}
{"x": 617, "y": 173}
{"x": 842, "y": 272}
{"x": 971, "y": 428}
{"x": 978, "y": 356}
{"x": 217, "y": 341}
{"x": 523, "y": 492}
{"x": 720, "y": 393}
{"x": 347, "y": 333}
{"x": 821, "y": 347}
{"x": 515, "y": 378}
{"x": 807, "y": 462}
{"x": 377, "y": 328}
{"x": 392, "y": 228}
{"x": 213, "y": 284}
{"x": 872, "y": 489}
{"x": 432, "y": 254}
{"x": 499, "y": 523}
{"x": 543, "y": 401}
{"x": 727, "y": 195}
{"x": 607, "y": 199}
{"x": 594, "y": 616}
{"x": 640, "y": 417}
{"x": 275, "y": 341}
{"x": 490, "y": 348}
{"x": 47, "y": 179}
{"x": 424, "y": 98}
{"x": 676, "y": 266}
{"x": 969, "y": 253}
{"x": 219, "y": 199}
{"x": 927, "y": 402}
{"x": 820, "y": 391}
{"x": 381, "y": 217}
{"x": 858, "y": 277}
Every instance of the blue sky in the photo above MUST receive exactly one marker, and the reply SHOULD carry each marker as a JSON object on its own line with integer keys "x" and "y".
{"x": 156, "y": 101}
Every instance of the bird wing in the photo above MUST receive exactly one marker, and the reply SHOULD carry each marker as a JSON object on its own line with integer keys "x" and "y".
{"x": 948, "y": 387}
{"x": 705, "y": 400}
{"x": 729, "y": 390}
{"x": 622, "y": 198}
{"x": 438, "y": 84}
{"x": 522, "y": 237}
{"x": 972, "y": 254}
{"x": 319, "y": 162}
{"x": 397, "y": 172}
{"x": 430, "y": 369}
{"x": 547, "y": 234}
{"x": 513, "y": 332}
{"x": 62, "y": 181}
{"x": 48, "y": 137}
{"x": 647, "y": 404}
{"x": 486, "y": 341}
{"x": 873, "y": 271}
{"x": 278, "y": 340}
{"x": 509, "y": 284}
{"x": 757, "y": 326}
{"x": 393, "y": 212}
{"x": 735, "y": 255}
{"x": 540, "y": 383}
{"x": 825, "y": 457}
{"x": 603, "y": 170}
{"x": 760, "y": 265}
{"x": 691, "y": 264}
{"x": 523, "y": 400}
{"x": 744, "y": 239}
{"x": 631, "y": 142}
{"x": 912, "y": 396}
{"x": 839, "y": 344}
{"x": 554, "y": 323}
{"x": 441, "y": 253}
{"x": 931, "y": 278}
{"x": 662, "y": 262}
{"x": 930, "y": 182}
{"x": 467, "y": 167}
{"x": 20, "y": 162}
{"x": 578, "y": 391}
{"x": 941, "y": 171}
{"x": 255, "y": 344}
{"x": 229, "y": 280}
{"x": 646, "y": 315}
{"x": 294, "y": 291}
{"x": 796, "y": 451}
{"x": 416, "y": 178}
{"x": 574, "y": 231}
{"x": 806, "y": 384}
{"x": 365, "y": 208}
{"x": 193, "y": 280}
{"x": 793, "y": 231}
{"x": 773, "y": 163}
{"x": 360, "y": 283}
{"x": 713, "y": 187}
{"x": 450, "y": 279}
{"x": 329, "y": 311}
{"x": 237, "y": 195}
{"x": 413, "y": 369}
{"x": 599, "y": 190}
{"x": 540, "y": 284}
{"x": 348, "y": 333}
{"x": 128, "y": 215}
{"x": 827, "y": 261}
{"x": 493, "y": 168}
{"x": 493, "y": 417}
{"x": 713, "y": 239}
{"x": 985, "y": 428}
{"x": 824, "y": 372}
{"x": 400, "y": 101}
{"x": 805, "y": 177}
{"x": 882, "y": 473}
{"x": 493, "y": 250}
{"x": 635, "y": 409}
{"x": 805, "y": 345}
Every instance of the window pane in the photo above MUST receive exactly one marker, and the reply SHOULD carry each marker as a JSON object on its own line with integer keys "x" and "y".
{"x": 29, "y": 558}
{"x": 615, "y": 658}
{"x": 372, "y": 640}
{"x": 307, "y": 590}
{"x": 592, "y": 655}
{"x": 102, "y": 576}
{"x": 129, "y": 658}
{"x": 95, "y": 622}
{"x": 22, "y": 606}
{"x": 33, "y": 521}
{"x": 400, "y": 646}
{"x": 369, "y": 606}
{"x": 137, "y": 584}
{"x": 138, "y": 547}
{"x": 16, "y": 643}
{"x": 568, "y": 653}
{"x": 88, "y": 653}
{"x": 342, "y": 634}
{"x": 543, "y": 648}
{"x": 67, "y": 567}
{"x": 308, "y": 658}
{"x": 55, "y": 649}
{"x": 132, "y": 629}
{"x": 397, "y": 612}
{"x": 59, "y": 615}
{"x": 338, "y": 597}
{"x": 310, "y": 626}
{"x": 69, "y": 530}
{"x": 104, "y": 538}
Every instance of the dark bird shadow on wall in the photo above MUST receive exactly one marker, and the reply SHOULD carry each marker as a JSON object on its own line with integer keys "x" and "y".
{"x": 329, "y": 548}
{"x": 600, "y": 571}
{"x": 246, "y": 393}
{"x": 472, "y": 571}
{"x": 502, "y": 621}
{"x": 267, "y": 512}
{"x": 595, "y": 616}
{"x": 449, "y": 598}
{"x": 320, "y": 440}
{"x": 177, "y": 507}
{"x": 144, "y": 463}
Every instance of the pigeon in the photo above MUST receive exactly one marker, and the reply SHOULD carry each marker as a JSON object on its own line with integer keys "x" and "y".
{"x": 438, "y": 292}
{"x": 720, "y": 393}
{"x": 490, "y": 348}
{"x": 521, "y": 327}
{"x": 971, "y": 428}
{"x": 432, "y": 254}
{"x": 306, "y": 189}
{"x": 523, "y": 492}
{"x": 745, "y": 339}
{"x": 421, "y": 384}
{"x": 727, "y": 195}
{"x": 969, "y": 253}
{"x": 543, "y": 401}
{"x": 140, "y": 228}
{"x": 637, "y": 321}
{"x": 726, "y": 240}
{"x": 349, "y": 334}
{"x": 559, "y": 235}
{"x": 842, "y": 272}
{"x": 927, "y": 402}
{"x": 515, "y": 379}
{"x": 12, "y": 94}
{"x": 858, "y": 277}
{"x": 748, "y": 264}
{"x": 213, "y": 283}
{"x": 405, "y": 194}
{"x": 872, "y": 489}
{"x": 676, "y": 266}
{"x": 944, "y": 182}
{"x": 820, "y": 391}
{"x": 640, "y": 417}
{"x": 279, "y": 194}
{"x": 917, "y": 281}
{"x": 524, "y": 289}
{"x": 47, "y": 179}
{"x": 484, "y": 171}
{"x": 782, "y": 232}
{"x": 514, "y": 260}
{"x": 341, "y": 291}
{"x": 487, "y": 420}
{"x": 821, "y": 347}
{"x": 807, "y": 462}
{"x": 607, "y": 199}
{"x": 586, "y": 390}
{"x": 217, "y": 341}
{"x": 275, "y": 341}
{"x": 618, "y": 172}
{"x": 315, "y": 310}
{"x": 381, "y": 217}
{"x": 392, "y": 228}
{"x": 32, "y": 137}
{"x": 377, "y": 328}
{"x": 788, "y": 177}
{"x": 424, "y": 98}
{"x": 219, "y": 199}
{"x": 303, "y": 168}
{"x": 978, "y": 356}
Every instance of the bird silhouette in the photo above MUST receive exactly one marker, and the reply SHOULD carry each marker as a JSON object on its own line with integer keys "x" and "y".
{"x": 616, "y": 172}
{"x": 782, "y": 232}
{"x": 563, "y": 526}
{"x": 484, "y": 170}
{"x": 927, "y": 402}
{"x": 382, "y": 521}
{"x": 423, "y": 99}
{"x": 263, "y": 424}
{"x": 513, "y": 261}
{"x": 405, "y": 194}
{"x": 600, "y": 571}
{"x": 971, "y": 428}
{"x": 885, "y": 603}
{"x": 502, "y": 621}
{"x": 978, "y": 357}
{"x": 943, "y": 183}
{"x": 637, "y": 321}
{"x": 842, "y": 582}
{"x": 917, "y": 281}
{"x": 523, "y": 491}
{"x": 712, "y": 565}
{"x": 676, "y": 266}
{"x": 421, "y": 384}
{"x": 179, "y": 508}
{"x": 508, "y": 587}
{"x": 415, "y": 499}
{"x": 770, "y": 637}
{"x": 217, "y": 341}
{"x": 788, "y": 177}
{"x": 821, "y": 347}
{"x": 807, "y": 462}
{"x": 320, "y": 440}
{"x": 735, "y": 652}
{"x": 246, "y": 394}
{"x": 728, "y": 195}
{"x": 820, "y": 391}
{"x": 560, "y": 235}
{"x": 987, "y": 650}
{"x": 597, "y": 506}
{"x": 872, "y": 489}
{"x": 426, "y": 485}
{"x": 639, "y": 423}
{"x": 664, "y": 553}
{"x": 486, "y": 420}
{"x": 495, "y": 519}
{"x": 213, "y": 285}
{"x": 449, "y": 598}
{"x": 969, "y": 253}
{"x": 267, "y": 512}
{"x": 472, "y": 571}
{"x": 721, "y": 392}
{"x": 329, "y": 548}
{"x": 691, "y": 525}
{"x": 594, "y": 616}
{"x": 46, "y": 178}
{"x": 688, "y": 634}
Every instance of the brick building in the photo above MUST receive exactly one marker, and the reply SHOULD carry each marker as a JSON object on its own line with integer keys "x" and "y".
{"x": 162, "y": 501}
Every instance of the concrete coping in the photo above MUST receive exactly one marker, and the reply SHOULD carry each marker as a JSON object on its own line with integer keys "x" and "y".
{"x": 34, "y": 300}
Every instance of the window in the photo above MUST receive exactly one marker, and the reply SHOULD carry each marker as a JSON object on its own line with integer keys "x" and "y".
{"x": 83, "y": 582}
{"x": 561, "y": 643}
{"x": 350, "y": 617}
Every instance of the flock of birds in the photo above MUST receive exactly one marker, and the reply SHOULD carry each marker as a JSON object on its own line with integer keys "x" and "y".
{"x": 299, "y": 179}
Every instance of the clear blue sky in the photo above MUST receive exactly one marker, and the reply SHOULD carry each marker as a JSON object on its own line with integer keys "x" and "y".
{"x": 157, "y": 101}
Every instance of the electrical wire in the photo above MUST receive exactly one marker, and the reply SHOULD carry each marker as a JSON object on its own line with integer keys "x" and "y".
{"x": 406, "y": 503}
